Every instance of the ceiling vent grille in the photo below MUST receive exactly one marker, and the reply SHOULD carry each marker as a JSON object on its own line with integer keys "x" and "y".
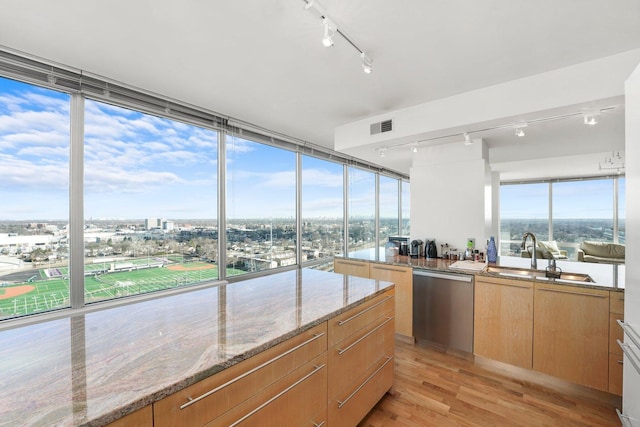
{"x": 381, "y": 127}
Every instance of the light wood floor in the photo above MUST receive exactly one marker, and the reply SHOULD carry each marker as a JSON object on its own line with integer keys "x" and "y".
{"x": 432, "y": 388}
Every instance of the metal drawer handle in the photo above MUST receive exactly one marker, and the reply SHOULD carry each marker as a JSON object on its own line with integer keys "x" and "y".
{"x": 357, "y": 264}
{"x": 573, "y": 293}
{"x": 630, "y": 332}
{"x": 630, "y": 354}
{"x": 286, "y": 390}
{"x": 353, "y": 344}
{"x": 249, "y": 372}
{"x": 513, "y": 285}
{"x": 344, "y": 402}
{"x": 398, "y": 270}
{"x": 360, "y": 313}
{"x": 319, "y": 425}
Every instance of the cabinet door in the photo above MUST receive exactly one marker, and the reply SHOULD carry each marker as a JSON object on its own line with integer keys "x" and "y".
{"x": 503, "y": 321}
{"x": 571, "y": 334}
{"x": 403, "y": 279}
{"x": 351, "y": 267}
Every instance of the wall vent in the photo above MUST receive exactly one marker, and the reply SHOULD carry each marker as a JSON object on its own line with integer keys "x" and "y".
{"x": 381, "y": 127}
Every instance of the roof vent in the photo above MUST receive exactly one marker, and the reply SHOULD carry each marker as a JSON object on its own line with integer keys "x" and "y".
{"x": 381, "y": 127}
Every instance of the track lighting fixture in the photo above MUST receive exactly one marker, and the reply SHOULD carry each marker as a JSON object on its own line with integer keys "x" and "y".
{"x": 467, "y": 139}
{"x": 414, "y": 149}
{"x": 519, "y": 132}
{"x": 381, "y": 151}
{"x": 330, "y": 29}
{"x": 327, "y": 39}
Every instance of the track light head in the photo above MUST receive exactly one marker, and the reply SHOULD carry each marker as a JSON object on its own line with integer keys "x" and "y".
{"x": 590, "y": 119}
{"x": 467, "y": 139}
{"x": 327, "y": 38}
{"x": 367, "y": 65}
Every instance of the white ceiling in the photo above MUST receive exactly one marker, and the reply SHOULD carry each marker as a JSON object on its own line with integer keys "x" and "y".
{"x": 261, "y": 61}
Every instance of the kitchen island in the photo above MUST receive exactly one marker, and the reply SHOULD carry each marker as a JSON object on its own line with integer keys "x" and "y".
{"x": 94, "y": 368}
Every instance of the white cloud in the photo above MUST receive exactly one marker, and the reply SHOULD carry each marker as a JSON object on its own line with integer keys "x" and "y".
{"x": 321, "y": 178}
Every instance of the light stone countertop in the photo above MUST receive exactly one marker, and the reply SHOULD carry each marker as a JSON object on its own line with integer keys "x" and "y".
{"x": 444, "y": 265}
{"x": 93, "y": 368}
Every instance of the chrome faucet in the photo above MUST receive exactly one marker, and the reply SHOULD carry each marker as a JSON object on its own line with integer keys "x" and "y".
{"x": 534, "y": 258}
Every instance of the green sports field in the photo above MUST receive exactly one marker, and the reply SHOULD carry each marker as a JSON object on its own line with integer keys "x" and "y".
{"x": 43, "y": 292}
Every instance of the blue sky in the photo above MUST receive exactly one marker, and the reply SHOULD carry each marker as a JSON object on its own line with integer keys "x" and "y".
{"x": 571, "y": 199}
{"x": 138, "y": 166}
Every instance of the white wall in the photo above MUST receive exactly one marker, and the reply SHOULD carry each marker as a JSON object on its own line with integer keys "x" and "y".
{"x": 448, "y": 184}
{"x": 631, "y": 382}
{"x": 540, "y": 92}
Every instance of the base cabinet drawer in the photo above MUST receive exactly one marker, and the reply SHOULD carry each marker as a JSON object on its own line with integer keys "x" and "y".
{"x": 349, "y": 409}
{"x": 351, "y": 267}
{"x": 350, "y": 357}
{"x": 208, "y": 399}
{"x": 360, "y": 317}
{"x": 292, "y": 401}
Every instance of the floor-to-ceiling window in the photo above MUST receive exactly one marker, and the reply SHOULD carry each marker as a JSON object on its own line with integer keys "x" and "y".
{"x": 34, "y": 194}
{"x": 565, "y": 211}
{"x": 260, "y": 206}
{"x": 109, "y": 192}
{"x": 322, "y": 208}
{"x": 389, "y": 195}
{"x": 362, "y": 211}
{"x": 406, "y": 208}
{"x": 150, "y": 203}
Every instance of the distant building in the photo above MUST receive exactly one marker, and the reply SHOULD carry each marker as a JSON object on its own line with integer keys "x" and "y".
{"x": 153, "y": 223}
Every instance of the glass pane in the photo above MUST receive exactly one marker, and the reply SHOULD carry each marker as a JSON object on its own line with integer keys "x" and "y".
{"x": 150, "y": 203}
{"x": 362, "y": 213}
{"x": 582, "y": 210}
{"x": 406, "y": 209}
{"x": 261, "y": 207}
{"x": 622, "y": 213}
{"x": 523, "y": 207}
{"x": 322, "y": 209}
{"x": 389, "y": 205}
{"x": 34, "y": 189}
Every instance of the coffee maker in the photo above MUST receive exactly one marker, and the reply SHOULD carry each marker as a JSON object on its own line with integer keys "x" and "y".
{"x": 416, "y": 248}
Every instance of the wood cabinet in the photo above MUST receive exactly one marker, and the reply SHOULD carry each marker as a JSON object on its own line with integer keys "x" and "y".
{"x": 351, "y": 267}
{"x": 257, "y": 391}
{"x": 616, "y": 312}
{"x": 360, "y": 359}
{"x": 402, "y": 277}
{"x": 140, "y": 418}
{"x": 571, "y": 334}
{"x": 503, "y": 320}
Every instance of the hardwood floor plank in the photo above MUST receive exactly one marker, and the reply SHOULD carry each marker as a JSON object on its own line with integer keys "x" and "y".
{"x": 433, "y": 388}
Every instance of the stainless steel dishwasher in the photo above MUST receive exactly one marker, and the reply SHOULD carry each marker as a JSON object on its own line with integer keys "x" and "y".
{"x": 443, "y": 309}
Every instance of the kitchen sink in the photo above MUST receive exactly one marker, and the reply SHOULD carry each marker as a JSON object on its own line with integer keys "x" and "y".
{"x": 538, "y": 274}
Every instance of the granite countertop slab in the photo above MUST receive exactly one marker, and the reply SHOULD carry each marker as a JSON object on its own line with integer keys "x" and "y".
{"x": 93, "y": 368}
{"x": 444, "y": 265}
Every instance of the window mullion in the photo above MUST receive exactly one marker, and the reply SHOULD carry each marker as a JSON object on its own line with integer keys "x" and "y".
{"x": 76, "y": 204}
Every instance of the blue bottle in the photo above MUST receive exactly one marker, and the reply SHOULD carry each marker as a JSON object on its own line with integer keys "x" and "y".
{"x": 492, "y": 251}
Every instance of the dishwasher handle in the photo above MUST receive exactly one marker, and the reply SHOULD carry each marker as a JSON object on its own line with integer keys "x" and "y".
{"x": 456, "y": 277}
